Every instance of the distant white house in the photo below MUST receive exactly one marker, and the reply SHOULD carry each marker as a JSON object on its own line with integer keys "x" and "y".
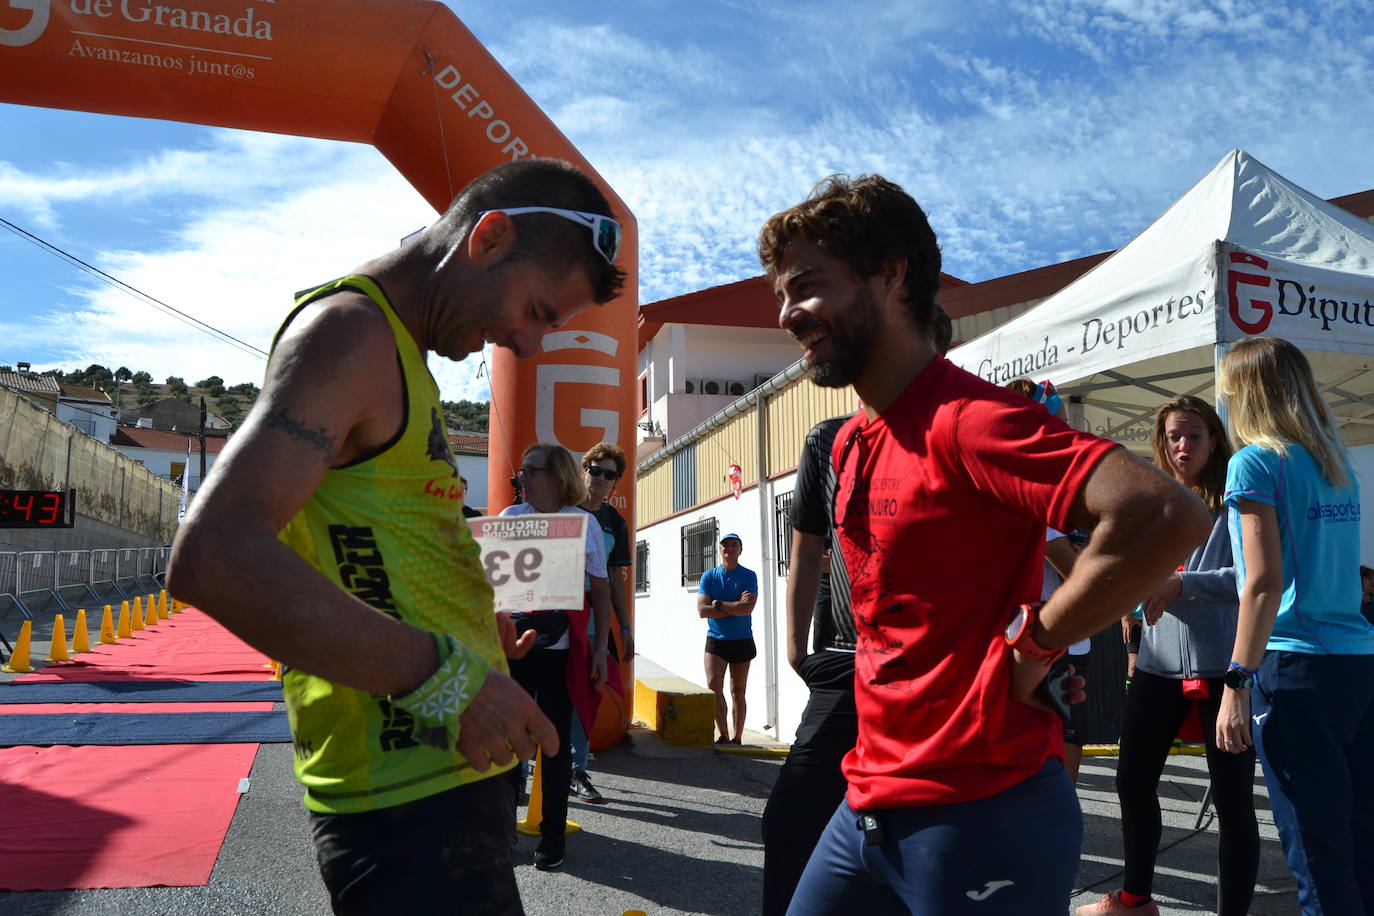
{"x": 41, "y": 389}
{"x": 700, "y": 352}
{"x": 470, "y": 448}
{"x": 88, "y": 409}
{"x": 165, "y": 452}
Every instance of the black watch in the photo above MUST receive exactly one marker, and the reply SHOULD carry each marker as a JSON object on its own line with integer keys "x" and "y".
{"x": 1237, "y": 680}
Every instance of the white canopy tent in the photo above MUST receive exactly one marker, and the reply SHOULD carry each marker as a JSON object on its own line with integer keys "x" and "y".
{"x": 1244, "y": 252}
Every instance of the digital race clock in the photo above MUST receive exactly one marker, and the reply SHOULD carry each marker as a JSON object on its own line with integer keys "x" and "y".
{"x": 37, "y": 508}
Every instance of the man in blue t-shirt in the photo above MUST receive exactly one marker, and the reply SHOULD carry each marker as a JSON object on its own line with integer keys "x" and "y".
{"x": 727, "y": 599}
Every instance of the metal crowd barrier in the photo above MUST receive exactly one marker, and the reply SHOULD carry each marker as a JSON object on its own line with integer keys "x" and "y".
{"x": 35, "y": 581}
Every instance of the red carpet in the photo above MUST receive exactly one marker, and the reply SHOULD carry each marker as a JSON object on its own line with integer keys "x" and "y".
{"x": 86, "y": 817}
{"x": 92, "y": 817}
{"x": 186, "y": 646}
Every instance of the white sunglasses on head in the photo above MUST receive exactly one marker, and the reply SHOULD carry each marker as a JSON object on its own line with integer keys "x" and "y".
{"x": 605, "y": 231}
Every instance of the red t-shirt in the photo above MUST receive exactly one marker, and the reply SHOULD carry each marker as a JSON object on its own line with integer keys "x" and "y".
{"x": 941, "y": 510}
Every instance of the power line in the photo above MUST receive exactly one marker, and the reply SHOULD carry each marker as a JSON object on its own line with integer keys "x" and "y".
{"x": 153, "y": 301}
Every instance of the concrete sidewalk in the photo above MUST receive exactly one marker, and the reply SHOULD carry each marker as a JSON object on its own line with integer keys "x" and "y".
{"x": 680, "y": 835}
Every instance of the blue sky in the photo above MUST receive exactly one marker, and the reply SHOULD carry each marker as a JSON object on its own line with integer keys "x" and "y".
{"x": 1032, "y": 132}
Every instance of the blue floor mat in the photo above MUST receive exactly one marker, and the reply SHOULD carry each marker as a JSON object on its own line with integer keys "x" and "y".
{"x": 142, "y": 692}
{"x": 113, "y": 728}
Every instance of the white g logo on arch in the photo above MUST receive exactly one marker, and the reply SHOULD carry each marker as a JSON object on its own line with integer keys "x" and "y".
{"x": 38, "y": 21}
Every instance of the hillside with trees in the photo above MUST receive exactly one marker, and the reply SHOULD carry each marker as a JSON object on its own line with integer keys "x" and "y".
{"x": 129, "y": 388}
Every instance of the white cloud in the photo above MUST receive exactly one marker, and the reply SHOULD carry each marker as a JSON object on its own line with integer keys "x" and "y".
{"x": 236, "y": 265}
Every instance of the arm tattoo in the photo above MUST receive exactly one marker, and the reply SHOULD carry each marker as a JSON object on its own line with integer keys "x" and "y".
{"x": 316, "y": 438}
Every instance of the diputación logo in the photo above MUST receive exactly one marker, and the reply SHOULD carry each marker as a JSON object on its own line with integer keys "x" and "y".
{"x": 39, "y": 11}
{"x": 1288, "y": 297}
{"x": 1235, "y": 279}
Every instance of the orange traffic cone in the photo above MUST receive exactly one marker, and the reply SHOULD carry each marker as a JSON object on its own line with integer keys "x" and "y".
{"x": 81, "y": 641}
{"x": 107, "y": 633}
{"x": 137, "y": 619}
{"x": 58, "y": 651}
{"x": 534, "y": 814}
{"x": 19, "y": 659}
{"x": 124, "y": 627}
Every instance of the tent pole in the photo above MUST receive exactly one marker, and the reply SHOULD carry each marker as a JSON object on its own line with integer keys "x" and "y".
{"x": 1220, "y": 346}
{"x": 1223, "y": 409}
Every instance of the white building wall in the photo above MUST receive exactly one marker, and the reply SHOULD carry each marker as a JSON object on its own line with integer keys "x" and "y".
{"x": 668, "y": 630}
{"x": 92, "y": 419}
{"x": 738, "y": 354}
{"x": 721, "y": 353}
{"x": 474, "y": 469}
{"x": 159, "y": 461}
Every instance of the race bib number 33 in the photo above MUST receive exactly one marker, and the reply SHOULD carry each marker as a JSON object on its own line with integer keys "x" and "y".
{"x": 534, "y": 562}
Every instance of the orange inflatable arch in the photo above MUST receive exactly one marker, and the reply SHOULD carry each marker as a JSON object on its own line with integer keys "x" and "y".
{"x": 403, "y": 75}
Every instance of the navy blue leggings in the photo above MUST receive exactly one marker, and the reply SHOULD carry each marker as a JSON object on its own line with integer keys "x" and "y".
{"x": 1313, "y": 723}
{"x": 1012, "y": 853}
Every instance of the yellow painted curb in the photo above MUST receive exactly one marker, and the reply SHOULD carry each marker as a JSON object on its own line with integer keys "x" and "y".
{"x": 1187, "y": 748}
{"x": 679, "y": 712}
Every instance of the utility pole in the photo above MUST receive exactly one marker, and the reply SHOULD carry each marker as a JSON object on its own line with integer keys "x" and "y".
{"x": 201, "y": 436}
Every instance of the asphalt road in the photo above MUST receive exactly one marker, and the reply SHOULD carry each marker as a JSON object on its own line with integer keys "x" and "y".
{"x": 681, "y": 835}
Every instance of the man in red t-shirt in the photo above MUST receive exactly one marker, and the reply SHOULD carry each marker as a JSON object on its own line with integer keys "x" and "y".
{"x": 957, "y": 794}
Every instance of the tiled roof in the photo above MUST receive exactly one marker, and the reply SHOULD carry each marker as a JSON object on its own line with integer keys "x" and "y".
{"x": 468, "y": 442}
{"x": 138, "y": 437}
{"x": 35, "y": 384}
{"x": 84, "y": 393}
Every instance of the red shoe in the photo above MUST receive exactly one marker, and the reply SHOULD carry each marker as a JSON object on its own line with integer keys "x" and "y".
{"x": 1111, "y": 903}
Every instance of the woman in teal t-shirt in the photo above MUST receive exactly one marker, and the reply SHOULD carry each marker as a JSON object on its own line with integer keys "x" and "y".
{"x": 1301, "y": 678}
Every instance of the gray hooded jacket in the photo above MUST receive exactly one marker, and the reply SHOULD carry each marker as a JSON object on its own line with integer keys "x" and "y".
{"x": 1196, "y": 632}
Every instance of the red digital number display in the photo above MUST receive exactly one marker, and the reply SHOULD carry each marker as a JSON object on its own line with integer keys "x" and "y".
{"x": 34, "y": 509}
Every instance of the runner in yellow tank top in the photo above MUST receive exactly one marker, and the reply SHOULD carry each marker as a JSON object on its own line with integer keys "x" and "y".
{"x": 389, "y": 530}
{"x": 330, "y": 537}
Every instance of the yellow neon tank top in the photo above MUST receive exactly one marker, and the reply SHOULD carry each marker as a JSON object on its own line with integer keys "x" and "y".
{"x": 390, "y": 530}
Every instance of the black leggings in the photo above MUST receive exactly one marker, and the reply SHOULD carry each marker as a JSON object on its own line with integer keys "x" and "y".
{"x": 543, "y": 674}
{"x": 1155, "y": 709}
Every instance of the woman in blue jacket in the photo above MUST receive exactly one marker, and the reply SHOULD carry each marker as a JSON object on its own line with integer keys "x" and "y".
{"x": 1300, "y": 688}
{"x": 1190, "y": 625}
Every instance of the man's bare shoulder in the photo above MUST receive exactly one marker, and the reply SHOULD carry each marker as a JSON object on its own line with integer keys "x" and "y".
{"x": 347, "y": 326}
{"x": 334, "y": 371}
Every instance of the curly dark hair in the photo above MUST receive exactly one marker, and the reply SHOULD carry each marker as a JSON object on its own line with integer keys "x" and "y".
{"x": 866, "y": 222}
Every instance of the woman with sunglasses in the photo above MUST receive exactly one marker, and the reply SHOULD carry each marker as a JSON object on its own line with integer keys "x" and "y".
{"x": 1300, "y": 684}
{"x": 602, "y": 466}
{"x": 563, "y": 671}
{"x": 1190, "y": 623}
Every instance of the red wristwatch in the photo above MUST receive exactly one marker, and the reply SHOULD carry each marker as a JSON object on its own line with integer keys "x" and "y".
{"x": 1018, "y": 634}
